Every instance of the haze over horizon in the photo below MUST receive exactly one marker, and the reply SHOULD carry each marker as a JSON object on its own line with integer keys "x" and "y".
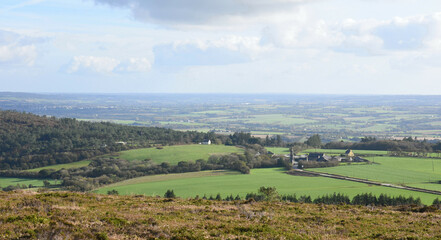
{"x": 229, "y": 46}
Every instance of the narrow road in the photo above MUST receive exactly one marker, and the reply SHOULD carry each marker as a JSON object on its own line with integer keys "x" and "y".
{"x": 329, "y": 175}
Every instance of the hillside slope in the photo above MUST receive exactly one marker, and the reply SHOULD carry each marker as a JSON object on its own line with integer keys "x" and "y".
{"x": 64, "y": 215}
{"x": 30, "y": 141}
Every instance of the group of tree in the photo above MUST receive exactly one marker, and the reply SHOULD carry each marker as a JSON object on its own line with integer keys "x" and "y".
{"x": 364, "y": 199}
{"x": 246, "y": 138}
{"x": 242, "y": 138}
{"x": 407, "y": 144}
{"x": 30, "y": 141}
{"x": 314, "y": 141}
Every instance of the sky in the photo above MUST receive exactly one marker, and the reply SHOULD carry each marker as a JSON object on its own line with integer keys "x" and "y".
{"x": 221, "y": 46}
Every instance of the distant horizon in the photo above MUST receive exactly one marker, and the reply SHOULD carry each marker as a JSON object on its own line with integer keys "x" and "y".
{"x": 216, "y": 93}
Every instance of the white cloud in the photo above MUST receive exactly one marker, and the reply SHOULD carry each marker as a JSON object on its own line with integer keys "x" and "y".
{"x": 135, "y": 65}
{"x": 108, "y": 65}
{"x": 92, "y": 63}
{"x": 257, "y": 45}
{"x": 223, "y": 51}
{"x": 13, "y": 54}
{"x": 302, "y": 34}
{"x": 361, "y": 37}
{"x": 245, "y": 45}
{"x": 16, "y": 49}
{"x": 433, "y": 39}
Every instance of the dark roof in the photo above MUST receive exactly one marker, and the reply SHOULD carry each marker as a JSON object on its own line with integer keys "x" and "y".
{"x": 315, "y": 155}
{"x": 359, "y": 159}
{"x": 324, "y": 158}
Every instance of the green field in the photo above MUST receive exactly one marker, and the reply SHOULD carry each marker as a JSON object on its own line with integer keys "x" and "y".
{"x": 277, "y": 119}
{"x": 175, "y": 154}
{"x": 65, "y": 166}
{"x": 227, "y": 182}
{"x": 417, "y": 172}
{"x": 4, "y": 181}
{"x": 278, "y": 150}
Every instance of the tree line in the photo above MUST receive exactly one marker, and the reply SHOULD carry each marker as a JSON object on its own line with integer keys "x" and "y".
{"x": 270, "y": 194}
{"x": 363, "y": 199}
{"x": 407, "y": 144}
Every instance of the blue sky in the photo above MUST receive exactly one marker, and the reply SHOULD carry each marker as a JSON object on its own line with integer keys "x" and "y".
{"x": 228, "y": 46}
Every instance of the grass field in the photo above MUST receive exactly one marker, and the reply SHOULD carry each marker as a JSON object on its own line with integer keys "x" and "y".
{"x": 278, "y": 150}
{"x": 175, "y": 154}
{"x": 4, "y": 182}
{"x": 226, "y": 183}
{"x": 60, "y": 166}
{"x": 417, "y": 172}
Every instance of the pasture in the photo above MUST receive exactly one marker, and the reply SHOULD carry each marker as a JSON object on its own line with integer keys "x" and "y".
{"x": 277, "y": 119}
{"x": 175, "y": 154}
{"x": 278, "y": 150}
{"x": 415, "y": 172}
{"x": 61, "y": 166}
{"x": 226, "y": 182}
{"x": 5, "y": 181}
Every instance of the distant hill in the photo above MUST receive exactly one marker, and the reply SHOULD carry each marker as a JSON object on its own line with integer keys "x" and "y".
{"x": 31, "y": 141}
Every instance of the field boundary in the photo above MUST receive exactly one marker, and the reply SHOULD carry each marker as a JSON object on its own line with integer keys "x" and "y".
{"x": 366, "y": 181}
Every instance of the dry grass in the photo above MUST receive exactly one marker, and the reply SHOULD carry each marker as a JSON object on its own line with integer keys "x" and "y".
{"x": 60, "y": 215}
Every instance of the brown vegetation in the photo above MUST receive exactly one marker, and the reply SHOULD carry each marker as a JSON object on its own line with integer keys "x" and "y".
{"x": 64, "y": 215}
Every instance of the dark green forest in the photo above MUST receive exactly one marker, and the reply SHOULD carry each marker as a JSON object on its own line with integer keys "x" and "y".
{"x": 30, "y": 141}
